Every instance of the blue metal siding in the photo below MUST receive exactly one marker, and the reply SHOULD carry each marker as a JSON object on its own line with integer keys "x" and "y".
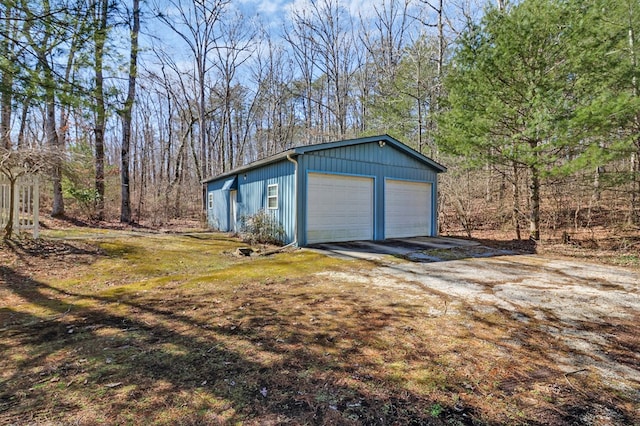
{"x": 252, "y": 194}
{"x": 364, "y": 159}
{"x": 218, "y": 217}
{"x": 368, "y": 159}
{"x": 371, "y": 153}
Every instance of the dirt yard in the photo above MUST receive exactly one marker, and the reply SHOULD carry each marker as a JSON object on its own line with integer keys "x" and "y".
{"x": 132, "y": 328}
{"x": 590, "y": 312}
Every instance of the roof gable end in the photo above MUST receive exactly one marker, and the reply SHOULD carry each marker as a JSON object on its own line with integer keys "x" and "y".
{"x": 380, "y": 138}
{"x": 301, "y": 150}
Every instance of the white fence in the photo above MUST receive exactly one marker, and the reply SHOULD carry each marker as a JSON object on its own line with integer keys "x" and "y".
{"x": 26, "y": 204}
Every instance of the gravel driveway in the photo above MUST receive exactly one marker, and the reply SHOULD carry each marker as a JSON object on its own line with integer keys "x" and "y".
{"x": 576, "y": 301}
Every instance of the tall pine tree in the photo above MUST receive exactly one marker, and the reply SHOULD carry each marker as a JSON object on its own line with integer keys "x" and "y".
{"x": 536, "y": 86}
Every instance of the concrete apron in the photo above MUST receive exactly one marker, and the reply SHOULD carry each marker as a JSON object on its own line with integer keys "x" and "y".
{"x": 399, "y": 247}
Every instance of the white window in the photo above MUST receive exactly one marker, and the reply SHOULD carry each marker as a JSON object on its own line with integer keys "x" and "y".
{"x": 272, "y": 197}
{"x": 210, "y": 199}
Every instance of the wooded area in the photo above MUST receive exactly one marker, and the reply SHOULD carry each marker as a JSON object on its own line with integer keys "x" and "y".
{"x": 534, "y": 106}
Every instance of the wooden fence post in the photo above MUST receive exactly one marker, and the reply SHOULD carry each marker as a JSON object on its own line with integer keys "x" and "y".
{"x": 36, "y": 207}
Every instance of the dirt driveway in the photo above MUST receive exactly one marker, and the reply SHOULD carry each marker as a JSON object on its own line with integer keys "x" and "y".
{"x": 579, "y": 306}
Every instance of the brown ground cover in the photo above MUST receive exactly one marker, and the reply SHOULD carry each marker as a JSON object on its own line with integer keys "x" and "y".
{"x": 131, "y": 327}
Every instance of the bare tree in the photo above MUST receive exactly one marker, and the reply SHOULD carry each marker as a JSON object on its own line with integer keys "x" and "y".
{"x": 238, "y": 41}
{"x": 101, "y": 8}
{"x": 197, "y": 25}
{"x": 126, "y": 113}
{"x": 328, "y": 30}
{"x": 634, "y": 214}
{"x": 423, "y": 86}
{"x": 8, "y": 50}
{"x": 305, "y": 57}
{"x": 277, "y": 98}
{"x": 45, "y": 24}
{"x": 385, "y": 35}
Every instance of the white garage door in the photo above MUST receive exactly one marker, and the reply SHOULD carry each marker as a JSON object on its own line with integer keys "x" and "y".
{"x": 339, "y": 208}
{"x": 407, "y": 209}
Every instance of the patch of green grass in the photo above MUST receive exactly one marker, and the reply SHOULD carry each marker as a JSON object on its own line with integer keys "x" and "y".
{"x": 136, "y": 264}
{"x": 444, "y": 254}
{"x": 266, "y": 269}
{"x": 76, "y": 232}
{"x": 436, "y": 410}
{"x": 627, "y": 260}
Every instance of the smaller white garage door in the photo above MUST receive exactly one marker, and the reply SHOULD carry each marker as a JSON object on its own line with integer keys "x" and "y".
{"x": 407, "y": 209}
{"x": 339, "y": 208}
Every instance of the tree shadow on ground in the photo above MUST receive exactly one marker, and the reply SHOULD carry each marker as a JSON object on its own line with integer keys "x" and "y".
{"x": 42, "y": 248}
{"x": 177, "y": 358}
{"x": 426, "y": 249}
{"x": 583, "y": 384}
{"x": 94, "y": 223}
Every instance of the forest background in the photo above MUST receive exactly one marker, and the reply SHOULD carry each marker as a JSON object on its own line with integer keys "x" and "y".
{"x": 533, "y": 105}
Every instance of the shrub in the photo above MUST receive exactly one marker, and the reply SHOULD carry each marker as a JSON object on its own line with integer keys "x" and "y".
{"x": 85, "y": 197}
{"x": 262, "y": 228}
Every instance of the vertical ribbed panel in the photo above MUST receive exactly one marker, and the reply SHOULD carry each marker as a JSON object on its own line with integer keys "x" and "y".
{"x": 365, "y": 159}
{"x": 252, "y": 194}
{"x": 218, "y": 216}
{"x": 370, "y": 160}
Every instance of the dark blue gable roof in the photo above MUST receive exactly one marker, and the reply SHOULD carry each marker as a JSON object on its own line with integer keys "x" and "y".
{"x": 386, "y": 139}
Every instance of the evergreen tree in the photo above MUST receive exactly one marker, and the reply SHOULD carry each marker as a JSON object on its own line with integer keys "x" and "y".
{"x": 605, "y": 57}
{"x": 535, "y": 86}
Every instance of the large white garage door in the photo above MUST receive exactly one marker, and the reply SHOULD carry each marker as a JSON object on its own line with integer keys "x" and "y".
{"x": 339, "y": 208}
{"x": 407, "y": 209}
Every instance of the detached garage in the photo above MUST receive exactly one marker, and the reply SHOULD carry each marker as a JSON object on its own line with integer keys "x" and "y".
{"x": 371, "y": 188}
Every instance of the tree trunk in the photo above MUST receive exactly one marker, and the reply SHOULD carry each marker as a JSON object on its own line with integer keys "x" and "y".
{"x": 634, "y": 213}
{"x": 635, "y": 185}
{"x": 125, "y": 206}
{"x": 23, "y": 122}
{"x": 42, "y": 49}
{"x": 534, "y": 219}
{"x": 143, "y": 161}
{"x": 441, "y": 41}
{"x": 5, "y": 114}
{"x": 597, "y": 190}
{"x": 99, "y": 39}
{"x": 8, "y": 229}
{"x": 6, "y": 84}
{"x": 419, "y": 104}
{"x": 53, "y": 141}
{"x": 229, "y": 126}
{"x": 488, "y": 195}
{"x": 202, "y": 172}
{"x": 516, "y": 202}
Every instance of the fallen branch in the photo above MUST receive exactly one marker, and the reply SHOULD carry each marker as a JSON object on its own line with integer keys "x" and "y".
{"x": 577, "y": 371}
{"x": 566, "y": 377}
{"x": 277, "y": 250}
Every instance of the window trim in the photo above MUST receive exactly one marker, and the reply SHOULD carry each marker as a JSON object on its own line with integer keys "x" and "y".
{"x": 271, "y": 197}
{"x": 210, "y": 200}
